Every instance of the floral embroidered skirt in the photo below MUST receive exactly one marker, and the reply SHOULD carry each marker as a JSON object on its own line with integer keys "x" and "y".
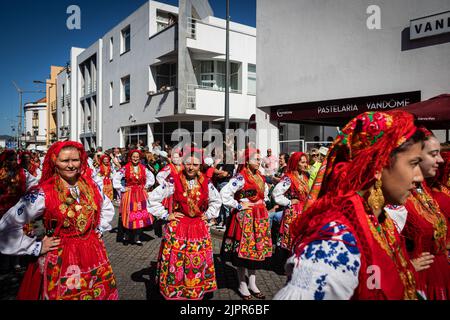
{"x": 185, "y": 264}
{"x": 108, "y": 188}
{"x": 133, "y": 208}
{"x": 247, "y": 241}
{"x": 289, "y": 216}
{"x": 78, "y": 270}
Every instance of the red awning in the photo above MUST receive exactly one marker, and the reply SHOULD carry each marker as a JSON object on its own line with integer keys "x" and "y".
{"x": 433, "y": 113}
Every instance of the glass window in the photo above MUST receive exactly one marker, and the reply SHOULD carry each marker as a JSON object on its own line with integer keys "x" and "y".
{"x": 126, "y": 39}
{"x": 157, "y": 128}
{"x": 125, "y": 90}
{"x": 111, "y": 48}
{"x": 166, "y": 75}
{"x": 188, "y": 125}
{"x": 251, "y": 79}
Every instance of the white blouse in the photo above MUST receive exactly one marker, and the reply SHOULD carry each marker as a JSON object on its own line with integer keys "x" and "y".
{"x": 166, "y": 189}
{"x": 398, "y": 214}
{"x": 234, "y": 185}
{"x": 120, "y": 174}
{"x": 163, "y": 174}
{"x": 31, "y": 180}
{"x": 327, "y": 269}
{"x": 13, "y": 241}
{"x": 280, "y": 189}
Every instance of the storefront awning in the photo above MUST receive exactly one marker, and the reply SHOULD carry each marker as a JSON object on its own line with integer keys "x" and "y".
{"x": 433, "y": 113}
{"x": 338, "y": 112}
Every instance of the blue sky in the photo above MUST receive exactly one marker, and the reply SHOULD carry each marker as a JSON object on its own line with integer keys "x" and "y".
{"x": 35, "y": 36}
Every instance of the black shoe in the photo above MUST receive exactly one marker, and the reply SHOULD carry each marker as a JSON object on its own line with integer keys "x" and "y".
{"x": 138, "y": 243}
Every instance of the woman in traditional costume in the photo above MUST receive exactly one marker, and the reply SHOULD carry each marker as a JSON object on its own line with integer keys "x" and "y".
{"x": 172, "y": 169}
{"x": 247, "y": 241}
{"x": 28, "y": 163}
{"x": 103, "y": 176}
{"x": 346, "y": 246}
{"x": 72, "y": 262}
{"x": 185, "y": 264}
{"x": 426, "y": 229}
{"x": 440, "y": 190}
{"x": 133, "y": 201}
{"x": 291, "y": 193}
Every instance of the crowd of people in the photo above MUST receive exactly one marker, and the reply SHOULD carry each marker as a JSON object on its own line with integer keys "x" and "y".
{"x": 365, "y": 217}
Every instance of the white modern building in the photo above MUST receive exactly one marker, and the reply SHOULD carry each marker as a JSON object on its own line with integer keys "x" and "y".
{"x": 322, "y": 62}
{"x": 67, "y": 124}
{"x": 160, "y": 69}
{"x": 35, "y": 114}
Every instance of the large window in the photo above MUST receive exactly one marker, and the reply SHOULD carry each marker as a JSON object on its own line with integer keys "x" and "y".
{"x": 251, "y": 77}
{"x": 125, "y": 90}
{"x": 166, "y": 75}
{"x": 35, "y": 119}
{"x": 213, "y": 75}
{"x": 132, "y": 135}
{"x": 164, "y": 20}
{"x": 125, "y": 40}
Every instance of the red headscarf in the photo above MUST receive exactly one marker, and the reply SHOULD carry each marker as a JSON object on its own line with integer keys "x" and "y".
{"x": 133, "y": 151}
{"x": 48, "y": 168}
{"x": 362, "y": 148}
{"x": 294, "y": 159}
{"x": 105, "y": 170}
{"x": 192, "y": 152}
{"x": 49, "y": 173}
{"x": 248, "y": 154}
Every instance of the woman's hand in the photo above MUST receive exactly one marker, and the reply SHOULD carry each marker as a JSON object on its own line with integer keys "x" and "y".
{"x": 49, "y": 244}
{"x": 294, "y": 201}
{"x": 246, "y": 205}
{"x": 175, "y": 216}
{"x": 423, "y": 262}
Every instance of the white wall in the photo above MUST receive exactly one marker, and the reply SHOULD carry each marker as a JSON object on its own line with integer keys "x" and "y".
{"x": 323, "y": 50}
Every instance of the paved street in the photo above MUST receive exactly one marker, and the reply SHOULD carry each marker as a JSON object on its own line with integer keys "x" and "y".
{"x": 134, "y": 268}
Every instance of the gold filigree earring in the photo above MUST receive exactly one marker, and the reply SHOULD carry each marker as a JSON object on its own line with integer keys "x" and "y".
{"x": 376, "y": 198}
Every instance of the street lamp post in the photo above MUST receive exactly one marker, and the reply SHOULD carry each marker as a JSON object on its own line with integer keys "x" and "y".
{"x": 227, "y": 75}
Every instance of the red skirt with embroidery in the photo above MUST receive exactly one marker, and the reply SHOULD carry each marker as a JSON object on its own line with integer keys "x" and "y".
{"x": 248, "y": 242}
{"x": 185, "y": 264}
{"x": 78, "y": 270}
{"x": 135, "y": 214}
{"x": 289, "y": 216}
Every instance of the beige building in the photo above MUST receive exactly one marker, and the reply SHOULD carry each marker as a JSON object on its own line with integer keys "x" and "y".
{"x": 51, "y": 104}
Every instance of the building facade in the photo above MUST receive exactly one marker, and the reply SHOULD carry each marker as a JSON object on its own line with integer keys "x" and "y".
{"x": 162, "y": 68}
{"x": 322, "y": 62}
{"x": 51, "y": 86}
{"x": 35, "y": 115}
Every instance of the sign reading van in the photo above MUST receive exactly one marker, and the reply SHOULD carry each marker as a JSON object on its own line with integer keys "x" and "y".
{"x": 429, "y": 26}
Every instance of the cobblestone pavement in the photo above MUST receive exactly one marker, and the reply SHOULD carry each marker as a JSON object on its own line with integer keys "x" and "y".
{"x": 134, "y": 267}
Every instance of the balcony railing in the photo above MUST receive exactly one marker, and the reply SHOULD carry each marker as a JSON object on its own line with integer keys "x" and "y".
{"x": 191, "y": 28}
{"x": 190, "y": 96}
